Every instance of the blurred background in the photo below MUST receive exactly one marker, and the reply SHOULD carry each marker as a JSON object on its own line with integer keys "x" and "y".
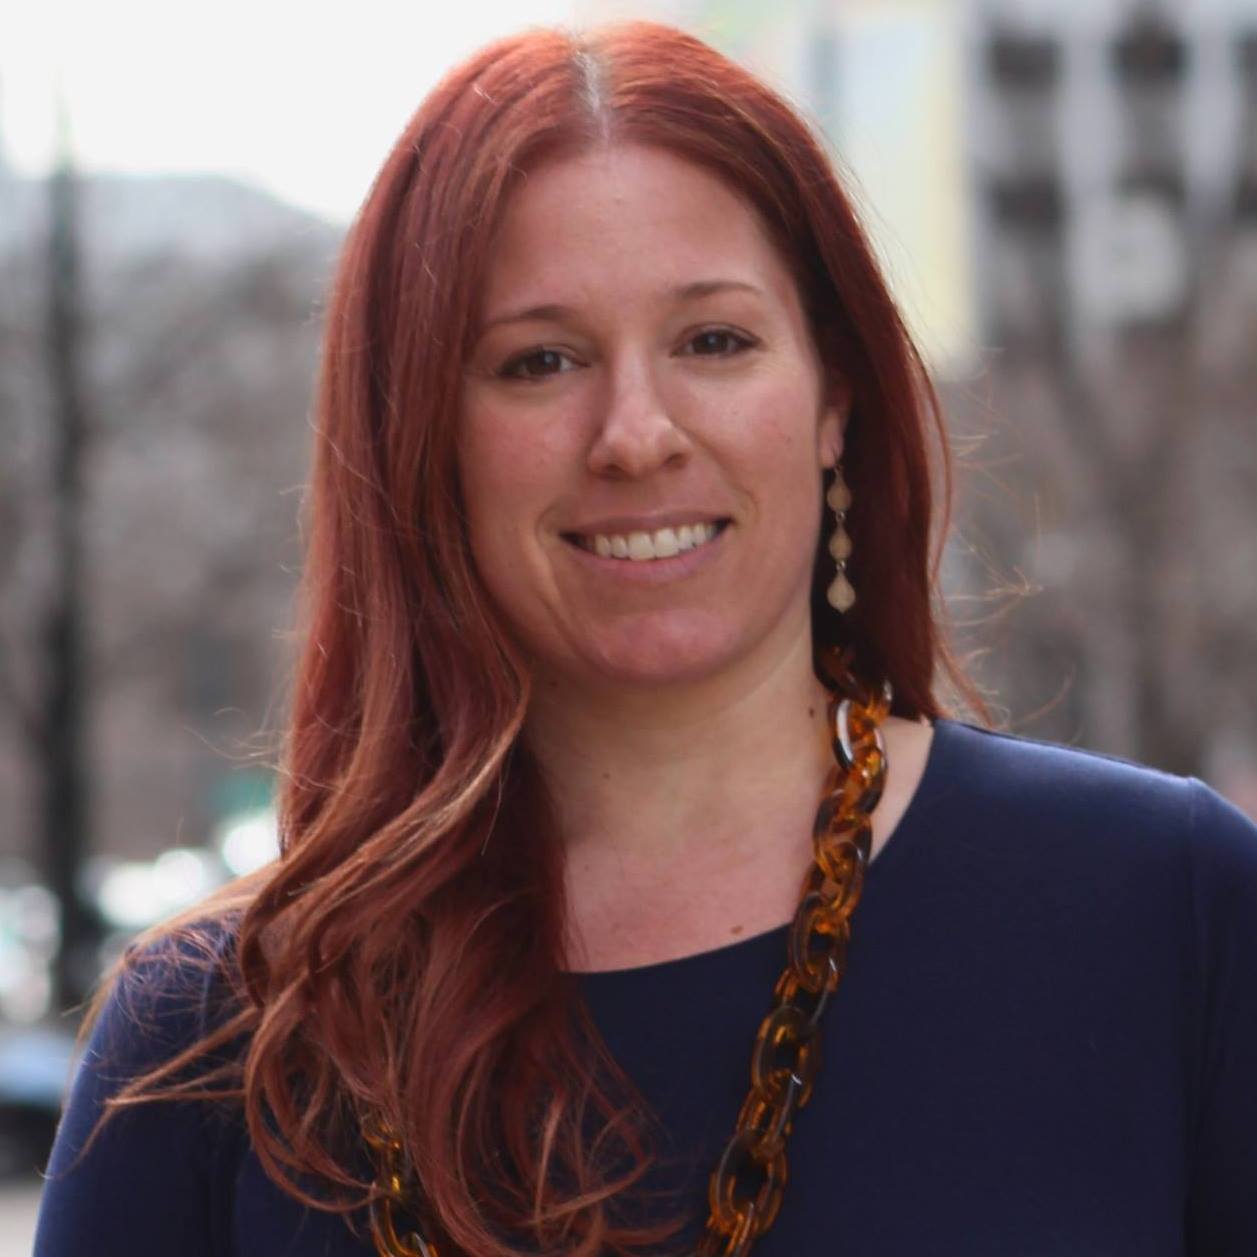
{"x": 1064, "y": 193}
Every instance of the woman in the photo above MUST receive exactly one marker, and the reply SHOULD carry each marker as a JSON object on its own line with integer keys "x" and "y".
{"x": 620, "y": 562}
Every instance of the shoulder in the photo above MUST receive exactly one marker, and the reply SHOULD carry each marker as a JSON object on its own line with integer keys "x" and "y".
{"x": 168, "y": 991}
{"x": 1009, "y": 763}
{"x": 147, "y": 1177}
{"x": 1093, "y": 805}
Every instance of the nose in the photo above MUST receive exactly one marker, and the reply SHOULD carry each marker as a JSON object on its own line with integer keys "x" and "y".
{"x": 637, "y": 434}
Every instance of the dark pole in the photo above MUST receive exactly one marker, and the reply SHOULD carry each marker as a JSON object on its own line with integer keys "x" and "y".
{"x": 65, "y": 810}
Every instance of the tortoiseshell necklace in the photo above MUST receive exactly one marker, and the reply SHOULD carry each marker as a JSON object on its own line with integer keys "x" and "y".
{"x": 749, "y": 1180}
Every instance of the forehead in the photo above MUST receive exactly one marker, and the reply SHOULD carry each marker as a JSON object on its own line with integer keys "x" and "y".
{"x": 627, "y": 218}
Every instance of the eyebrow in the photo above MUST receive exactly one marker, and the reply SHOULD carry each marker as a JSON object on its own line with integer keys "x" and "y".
{"x": 686, "y": 292}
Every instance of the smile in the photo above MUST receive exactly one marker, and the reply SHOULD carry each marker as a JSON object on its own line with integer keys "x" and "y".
{"x": 643, "y": 547}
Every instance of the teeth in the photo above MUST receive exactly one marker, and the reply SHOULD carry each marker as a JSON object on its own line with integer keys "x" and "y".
{"x": 666, "y": 544}
{"x": 641, "y": 547}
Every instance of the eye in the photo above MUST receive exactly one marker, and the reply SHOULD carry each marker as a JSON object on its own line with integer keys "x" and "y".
{"x": 536, "y": 364}
{"x": 718, "y": 342}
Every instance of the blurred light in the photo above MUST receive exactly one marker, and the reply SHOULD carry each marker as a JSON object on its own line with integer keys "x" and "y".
{"x": 126, "y": 895}
{"x": 30, "y": 924}
{"x": 34, "y": 1067}
{"x": 249, "y": 840}
{"x": 134, "y": 894}
{"x": 25, "y": 989}
{"x": 34, "y": 916}
{"x": 183, "y": 875}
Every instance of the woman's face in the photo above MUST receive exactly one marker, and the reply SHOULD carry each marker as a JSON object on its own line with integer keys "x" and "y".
{"x": 644, "y": 423}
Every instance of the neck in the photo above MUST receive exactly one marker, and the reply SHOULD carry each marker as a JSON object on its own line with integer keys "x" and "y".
{"x": 679, "y": 782}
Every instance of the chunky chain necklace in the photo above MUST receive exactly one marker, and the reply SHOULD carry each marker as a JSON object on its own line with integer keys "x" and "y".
{"x": 747, "y": 1185}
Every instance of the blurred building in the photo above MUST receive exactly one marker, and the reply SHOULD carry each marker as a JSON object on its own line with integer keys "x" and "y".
{"x": 1115, "y": 147}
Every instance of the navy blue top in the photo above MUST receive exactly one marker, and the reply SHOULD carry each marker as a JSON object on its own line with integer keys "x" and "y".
{"x": 1045, "y": 1046}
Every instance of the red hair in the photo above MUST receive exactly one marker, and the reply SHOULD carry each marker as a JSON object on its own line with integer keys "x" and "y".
{"x": 404, "y": 957}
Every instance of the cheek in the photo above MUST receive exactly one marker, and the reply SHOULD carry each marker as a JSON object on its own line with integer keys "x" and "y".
{"x": 514, "y": 468}
{"x": 777, "y": 434}
{"x": 501, "y": 463}
{"x": 782, "y": 460}
{"x": 496, "y": 523}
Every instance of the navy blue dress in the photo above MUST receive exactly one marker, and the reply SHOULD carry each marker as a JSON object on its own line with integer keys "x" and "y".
{"x": 1045, "y": 1046}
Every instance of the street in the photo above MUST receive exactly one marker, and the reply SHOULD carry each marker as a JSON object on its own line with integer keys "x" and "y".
{"x": 18, "y": 1202}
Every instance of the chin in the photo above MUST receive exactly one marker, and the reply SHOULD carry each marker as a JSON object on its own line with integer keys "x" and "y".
{"x": 655, "y": 661}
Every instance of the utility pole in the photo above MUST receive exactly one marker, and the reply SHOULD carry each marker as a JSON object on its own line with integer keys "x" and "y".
{"x": 65, "y": 810}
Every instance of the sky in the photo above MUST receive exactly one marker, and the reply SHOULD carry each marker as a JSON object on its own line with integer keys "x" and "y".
{"x": 302, "y": 99}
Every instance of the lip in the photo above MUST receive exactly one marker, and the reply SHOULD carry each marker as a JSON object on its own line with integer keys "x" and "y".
{"x": 653, "y": 571}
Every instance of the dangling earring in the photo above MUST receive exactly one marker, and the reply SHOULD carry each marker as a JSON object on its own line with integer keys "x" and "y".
{"x": 840, "y": 594}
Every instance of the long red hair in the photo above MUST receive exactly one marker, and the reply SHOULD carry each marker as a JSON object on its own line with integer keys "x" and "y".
{"x": 403, "y": 960}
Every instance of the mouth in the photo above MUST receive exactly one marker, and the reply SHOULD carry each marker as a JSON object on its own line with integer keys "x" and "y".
{"x": 646, "y": 547}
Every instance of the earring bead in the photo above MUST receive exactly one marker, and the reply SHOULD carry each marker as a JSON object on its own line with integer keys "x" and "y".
{"x": 838, "y": 496}
{"x": 840, "y": 595}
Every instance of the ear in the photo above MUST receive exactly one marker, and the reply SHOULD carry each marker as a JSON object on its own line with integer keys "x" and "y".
{"x": 833, "y": 421}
